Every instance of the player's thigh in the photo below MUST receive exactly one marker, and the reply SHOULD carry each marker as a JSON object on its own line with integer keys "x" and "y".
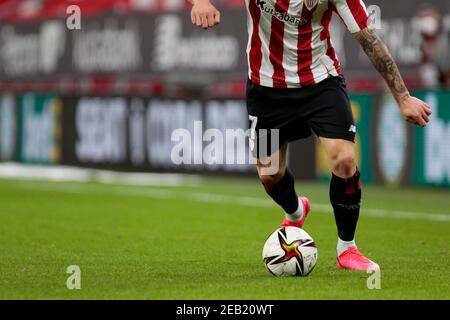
{"x": 273, "y": 123}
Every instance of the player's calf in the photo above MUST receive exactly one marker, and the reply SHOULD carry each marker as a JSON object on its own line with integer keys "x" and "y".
{"x": 281, "y": 188}
{"x": 345, "y": 197}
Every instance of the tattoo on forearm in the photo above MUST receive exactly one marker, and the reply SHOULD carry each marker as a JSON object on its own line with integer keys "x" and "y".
{"x": 381, "y": 58}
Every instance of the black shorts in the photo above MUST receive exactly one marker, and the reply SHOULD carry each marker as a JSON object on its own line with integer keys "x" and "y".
{"x": 323, "y": 108}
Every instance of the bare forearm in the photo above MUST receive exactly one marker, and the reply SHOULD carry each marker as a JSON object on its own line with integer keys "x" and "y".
{"x": 412, "y": 109}
{"x": 383, "y": 61}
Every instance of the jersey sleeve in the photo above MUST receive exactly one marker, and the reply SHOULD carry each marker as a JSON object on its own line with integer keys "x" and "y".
{"x": 353, "y": 13}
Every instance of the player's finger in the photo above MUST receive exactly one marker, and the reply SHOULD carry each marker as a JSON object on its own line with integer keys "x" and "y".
{"x": 427, "y": 109}
{"x": 192, "y": 17}
{"x": 198, "y": 21}
{"x": 211, "y": 22}
{"x": 425, "y": 117}
{"x": 204, "y": 21}
{"x": 217, "y": 17}
{"x": 421, "y": 122}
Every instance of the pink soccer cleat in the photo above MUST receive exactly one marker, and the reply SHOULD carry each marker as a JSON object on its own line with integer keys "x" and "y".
{"x": 352, "y": 259}
{"x": 306, "y": 208}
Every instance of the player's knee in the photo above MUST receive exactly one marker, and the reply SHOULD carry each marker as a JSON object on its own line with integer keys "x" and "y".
{"x": 344, "y": 165}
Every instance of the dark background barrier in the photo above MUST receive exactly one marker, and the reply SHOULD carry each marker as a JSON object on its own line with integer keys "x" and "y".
{"x": 137, "y": 134}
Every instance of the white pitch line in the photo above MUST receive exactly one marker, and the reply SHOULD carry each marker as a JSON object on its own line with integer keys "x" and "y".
{"x": 222, "y": 199}
{"x": 17, "y": 171}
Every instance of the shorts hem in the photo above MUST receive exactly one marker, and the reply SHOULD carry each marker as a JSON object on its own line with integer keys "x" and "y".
{"x": 343, "y": 136}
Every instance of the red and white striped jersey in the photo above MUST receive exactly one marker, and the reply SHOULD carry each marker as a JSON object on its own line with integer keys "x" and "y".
{"x": 289, "y": 42}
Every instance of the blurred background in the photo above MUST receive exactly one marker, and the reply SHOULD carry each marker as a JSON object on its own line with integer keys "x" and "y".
{"x": 108, "y": 93}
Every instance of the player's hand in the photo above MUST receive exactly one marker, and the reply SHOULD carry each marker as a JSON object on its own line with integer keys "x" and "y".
{"x": 204, "y": 14}
{"x": 415, "y": 111}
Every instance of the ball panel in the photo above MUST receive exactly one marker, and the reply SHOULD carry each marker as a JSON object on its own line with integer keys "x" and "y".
{"x": 290, "y": 251}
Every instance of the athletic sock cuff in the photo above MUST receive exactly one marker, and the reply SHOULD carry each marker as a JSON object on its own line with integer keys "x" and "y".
{"x": 348, "y": 185}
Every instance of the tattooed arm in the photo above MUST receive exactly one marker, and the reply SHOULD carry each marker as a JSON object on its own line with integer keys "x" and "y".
{"x": 412, "y": 109}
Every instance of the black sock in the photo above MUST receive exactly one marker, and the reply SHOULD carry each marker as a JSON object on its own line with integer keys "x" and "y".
{"x": 345, "y": 197}
{"x": 284, "y": 193}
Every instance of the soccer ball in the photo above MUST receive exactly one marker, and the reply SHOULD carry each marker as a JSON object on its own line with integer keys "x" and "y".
{"x": 290, "y": 251}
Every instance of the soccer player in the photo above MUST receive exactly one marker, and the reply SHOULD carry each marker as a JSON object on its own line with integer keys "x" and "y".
{"x": 296, "y": 85}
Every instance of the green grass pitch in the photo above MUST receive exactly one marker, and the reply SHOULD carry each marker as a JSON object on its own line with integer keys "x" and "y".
{"x": 204, "y": 241}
